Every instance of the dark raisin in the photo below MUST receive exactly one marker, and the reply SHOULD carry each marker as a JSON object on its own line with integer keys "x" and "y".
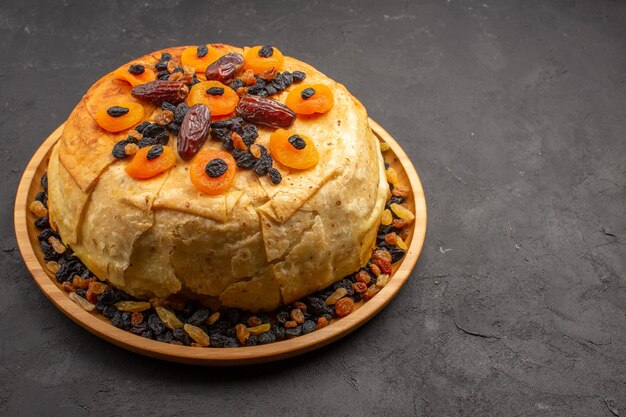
{"x": 162, "y": 64}
{"x": 394, "y": 199}
{"x": 202, "y": 50}
{"x": 119, "y": 149}
{"x": 165, "y": 337}
{"x": 199, "y": 317}
{"x": 173, "y": 128}
{"x": 42, "y": 223}
{"x": 216, "y": 168}
{"x": 117, "y": 111}
{"x": 148, "y": 334}
{"x": 270, "y": 90}
{"x": 44, "y": 182}
{"x": 152, "y": 130}
{"x": 41, "y": 196}
{"x": 108, "y": 311}
{"x": 227, "y": 143}
{"x": 81, "y": 292}
{"x": 249, "y": 134}
{"x": 297, "y": 142}
{"x": 263, "y": 163}
{"x": 275, "y": 176}
{"x": 156, "y": 325}
{"x": 252, "y": 340}
{"x": 163, "y": 75}
{"x": 180, "y": 112}
{"x": 266, "y": 338}
{"x": 49, "y": 254}
{"x": 215, "y": 91}
{"x": 246, "y": 160}
{"x": 178, "y": 69}
{"x": 190, "y": 307}
{"x": 287, "y": 78}
{"x": 182, "y": 336}
{"x": 232, "y": 315}
{"x": 266, "y": 51}
{"x": 219, "y": 133}
{"x": 282, "y": 317}
{"x": 226, "y": 123}
{"x": 168, "y": 106}
{"x": 307, "y": 93}
{"x": 139, "y": 329}
{"x": 141, "y": 126}
{"x": 298, "y": 76}
{"x": 316, "y": 305}
{"x": 308, "y": 326}
{"x": 293, "y": 332}
{"x": 154, "y": 152}
{"x": 237, "y": 84}
{"x": 136, "y": 69}
{"x": 256, "y": 89}
{"x": 47, "y": 234}
{"x": 279, "y": 332}
{"x": 121, "y": 319}
{"x": 113, "y": 296}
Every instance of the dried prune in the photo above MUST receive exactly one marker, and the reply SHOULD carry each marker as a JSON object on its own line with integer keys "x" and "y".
{"x": 158, "y": 91}
{"x": 225, "y": 68}
{"x": 193, "y": 131}
{"x": 117, "y": 111}
{"x": 265, "y": 111}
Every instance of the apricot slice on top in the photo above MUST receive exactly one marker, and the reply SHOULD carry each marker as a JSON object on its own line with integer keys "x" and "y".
{"x": 199, "y": 57}
{"x": 262, "y": 58}
{"x": 220, "y": 98}
{"x": 310, "y": 99}
{"x": 212, "y": 172}
{"x": 119, "y": 117}
{"x": 135, "y": 74}
{"x": 150, "y": 161}
{"x": 293, "y": 150}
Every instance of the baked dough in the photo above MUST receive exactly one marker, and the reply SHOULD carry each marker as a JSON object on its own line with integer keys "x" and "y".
{"x": 255, "y": 247}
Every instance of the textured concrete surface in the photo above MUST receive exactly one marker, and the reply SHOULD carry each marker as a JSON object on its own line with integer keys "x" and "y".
{"x": 514, "y": 115}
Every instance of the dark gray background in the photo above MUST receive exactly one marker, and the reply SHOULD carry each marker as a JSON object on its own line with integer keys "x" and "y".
{"x": 513, "y": 114}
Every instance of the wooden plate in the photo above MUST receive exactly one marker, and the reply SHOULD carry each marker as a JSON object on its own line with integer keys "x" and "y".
{"x": 27, "y": 240}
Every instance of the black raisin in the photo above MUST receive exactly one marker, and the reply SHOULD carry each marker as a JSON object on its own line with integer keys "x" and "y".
{"x": 44, "y": 182}
{"x": 156, "y": 325}
{"x": 219, "y": 133}
{"x": 49, "y": 254}
{"x": 297, "y": 142}
{"x": 266, "y": 51}
{"x": 227, "y": 143}
{"x": 237, "y": 84}
{"x": 256, "y": 89}
{"x": 154, "y": 152}
{"x": 249, "y": 134}
{"x": 42, "y": 223}
{"x": 199, "y": 317}
{"x": 121, "y": 319}
{"x": 226, "y": 123}
{"x": 119, "y": 149}
{"x": 117, "y": 111}
{"x": 293, "y": 332}
{"x": 232, "y": 315}
{"x": 275, "y": 176}
{"x": 41, "y": 197}
{"x": 287, "y": 78}
{"x": 178, "y": 69}
{"x": 316, "y": 305}
{"x": 202, "y": 50}
{"x": 216, "y": 168}
{"x": 152, "y": 130}
{"x": 182, "y": 336}
{"x": 279, "y": 332}
{"x": 215, "y": 91}
{"x": 136, "y": 69}
{"x": 298, "y": 76}
{"x": 246, "y": 160}
{"x": 173, "y": 127}
{"x": 263, "y": 163}
{"x": 252, "y": 340}
{"x": 81, "y": 292}
{"x": 165, "y": 337}
{"x": 163, "y": 75}
{"x": 266, "y": 337}
{"x": 141, "y": 126}
{"x": 139, "y": 329}
{"x": 307, "y": 93}
{"x": 108, "y": 311}
{"x": 270, "y": 90}
{"x": 47, "y": 234}
{"x": 282, "y": 317}
{"x": 308, "y": 326}
{"x": 180, "y": 112}
{"x": 148, "y": 334}
{"x": 168, "y": 106}
{"x": 190, "y": 307}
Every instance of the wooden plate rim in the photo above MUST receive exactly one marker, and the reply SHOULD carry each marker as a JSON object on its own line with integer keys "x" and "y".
{"x": 208, "y": 356}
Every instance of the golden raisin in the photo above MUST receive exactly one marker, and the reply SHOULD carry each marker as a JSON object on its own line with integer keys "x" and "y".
{"x": 392, "y": 176}
{"x": 400, "y": 191}
{"x": 197, "y": 334}
{"x": 133, "y": 306}
{"x": 248, "y": 78}
{"x": 257, "y": 330}
{"x": 98, "y": 287}
{"x": 169, "y": 318}
{"x": 56, "y": 244}
{"x": 79, "y": 282}
{"x": 375, "y": 270}
{"x": 268, "y": 74}
{"x": 91, "y": 297}
{"x": 363, "y": 276}
{"x": 255, "y": 150}
{"x": 238, "y": 141}
{"x": 321, "y": 323}
{"x": 344, "y": 307}
{"x": 400, "y": 243}
{"x": 384, "y": 146}
{"x": 53, "y": 266}
{"x": 336, "y": 296}
{"x": 242, "y": 333}
{"x": 386, "y": 218}
{"x": 297, "y": 315}
{"x": 86, "y": 305}
{"x": 159, "y": 302}
{"x": 382, "y": 280}
{"x": 402, "y": 212}
{"x": 134, "y": 134}
{"x": 38, "y": 209}
{"x": 213, "y": 318}
{"x": 131, "y": 149}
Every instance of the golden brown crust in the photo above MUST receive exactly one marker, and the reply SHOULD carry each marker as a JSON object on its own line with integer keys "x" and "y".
{"x": 256, "y": 246}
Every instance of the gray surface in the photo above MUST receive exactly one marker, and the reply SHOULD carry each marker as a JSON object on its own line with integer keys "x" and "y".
{"x": 513, "y": 113}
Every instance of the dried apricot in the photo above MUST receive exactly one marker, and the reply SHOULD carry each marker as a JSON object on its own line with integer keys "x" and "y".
{"x": 200, "y": 57}
{"x": 135, "y": 74}
{"x": 142, "y": 168}
{"x": 219, "y": 104}
{"x": 116, "y": 120}
{"x": 292, "y": 150}
{"x": 344, "y": 307}
{"x": 262, "y": 58}
{"x": 302, "y": 101}
{"x": 201, "y": 179}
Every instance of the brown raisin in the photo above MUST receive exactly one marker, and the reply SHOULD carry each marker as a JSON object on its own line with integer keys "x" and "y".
{"x": 382, "y": 259}
{"x": 359, "y": 287}
{"x": 242, "y": 333}
{"x": 297, "y": 315}
{"x": 254, "y": 321}
{"x": 321, "y": 323}
{"x": 344, "y": 307}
